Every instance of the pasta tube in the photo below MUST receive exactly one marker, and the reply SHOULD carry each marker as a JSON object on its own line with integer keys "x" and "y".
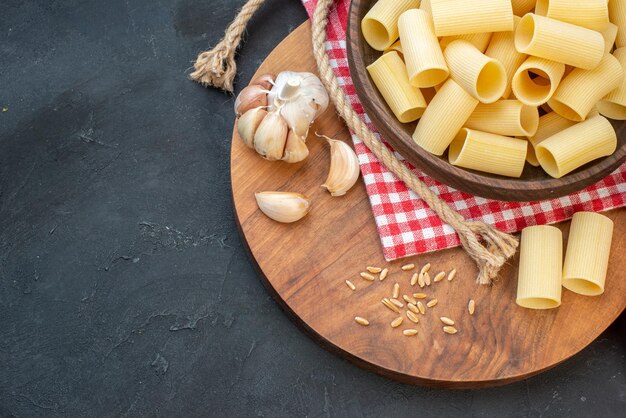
{"x": 574, "y": 147}
{"x": 487, "y": 152}
{"x": 582, "y": 89}
{"x": 614, "y": 104}
{"x": 521, "y": 7}
{"x": 559, "y": 41}
{"x": 422, "y": 54}
{"x": 617, "y": 14}
{"x": 460, "y": 17}
{"x": 444, "y": 117}
{"x": 481, "y": 76}
{"x": 479, "y": 40}
{"x": 389, "y": 74}
{"x": 502, "y": 48}
{"x": 397, "y": 46}
{"x": 536, "y": 80}
{"x": 505, "y": 117}
{"x": 590, "y": 14}
{"x": 540, "y": 268}
{"x": 531, "y": 156}
{"x": 587, "y": 255}
{"x": 610, "y": 35}
{"x": 549, "y": 124}
{"x": 380, "y": 24}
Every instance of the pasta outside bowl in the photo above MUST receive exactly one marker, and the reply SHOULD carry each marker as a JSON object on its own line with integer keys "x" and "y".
{"x": 534, "y": 183}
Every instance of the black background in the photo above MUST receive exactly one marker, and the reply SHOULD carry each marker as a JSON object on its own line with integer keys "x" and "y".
{"x": 125, "y": 289}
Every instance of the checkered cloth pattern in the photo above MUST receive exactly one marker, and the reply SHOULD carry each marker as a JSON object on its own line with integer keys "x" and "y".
{"x": 407, "y": 226}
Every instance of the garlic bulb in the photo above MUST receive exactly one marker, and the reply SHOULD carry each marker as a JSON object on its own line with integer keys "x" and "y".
{"x": 283, "y": 207}
{"x": 271, "y": 136}
{"x": 248, "y": 124}
{"x": 301, "y": 98}
{"x": 344, "y": 167}
{"x": 249, "y": 98}
{"x": 295, "y": 99}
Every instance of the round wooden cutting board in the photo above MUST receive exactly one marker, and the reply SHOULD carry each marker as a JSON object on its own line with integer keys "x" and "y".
{"x": 305, "y": 265}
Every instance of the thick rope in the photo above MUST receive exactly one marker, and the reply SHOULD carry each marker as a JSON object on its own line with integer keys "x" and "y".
{"x": 217, "y": 67}
{"x": 497, "y": 247}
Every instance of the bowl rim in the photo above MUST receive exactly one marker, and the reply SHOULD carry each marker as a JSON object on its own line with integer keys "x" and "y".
{"x": 472, "y": 182}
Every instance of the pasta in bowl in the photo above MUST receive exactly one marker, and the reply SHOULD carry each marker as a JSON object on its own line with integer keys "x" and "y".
{"x": 479, "y": 98}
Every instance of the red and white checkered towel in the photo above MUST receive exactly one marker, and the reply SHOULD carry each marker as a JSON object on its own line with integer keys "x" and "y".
{"x": 405, "y": 223}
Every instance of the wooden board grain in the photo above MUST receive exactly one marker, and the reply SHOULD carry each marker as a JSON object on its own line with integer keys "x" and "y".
{"x": 534, "y": 184}
{"x": 305, "y": 264}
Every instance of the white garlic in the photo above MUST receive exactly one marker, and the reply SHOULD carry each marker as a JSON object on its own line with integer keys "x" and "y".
{"x": 248, "y": 124}
{"x": 283, "y": 207}
{"x": 295, "y": 149}
{"x": 250, "y": 97}
{"x": 344, "y": 167}
{"x": 301, "y": 98}
{"x": 270, "y": 136}
{"x": 266, "y": 81}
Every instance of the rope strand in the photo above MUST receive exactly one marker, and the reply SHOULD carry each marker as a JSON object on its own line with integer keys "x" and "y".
{"x": 217, "y": 67}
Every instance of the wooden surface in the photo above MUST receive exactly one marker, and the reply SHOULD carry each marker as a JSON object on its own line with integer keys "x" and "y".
{"x": 534, "y": 183}
{"x": 305, "y": 264}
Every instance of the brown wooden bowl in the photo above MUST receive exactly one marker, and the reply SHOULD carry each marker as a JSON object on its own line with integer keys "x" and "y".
{"x": 534, "y": 184}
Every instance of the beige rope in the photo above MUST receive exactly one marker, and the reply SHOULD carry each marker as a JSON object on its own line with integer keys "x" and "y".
{"x": 217, "y": 67}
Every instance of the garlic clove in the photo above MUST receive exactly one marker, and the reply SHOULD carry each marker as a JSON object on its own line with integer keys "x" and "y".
{"x": 298, "y": 118}
{"x": 266, "y": 81}
{"x": 248, "y": 123}
{"x": 344, "y": 168}
{"x": 283, "y": 207}
{"x": 249, "y": 98}
{"x": 295, "y": 148}
{"x": 270, "y": 136}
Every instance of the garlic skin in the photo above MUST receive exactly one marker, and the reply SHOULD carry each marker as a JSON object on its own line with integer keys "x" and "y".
{"x": 344, "y": 168}
{"x": 285, "y": 207}
{"x": 301, "y": 98}
{"x": 271, "y": 136}
{"x": 250, "y": 97}
{"x": 295, "y": 149}
{"x": 248, "y": 124}
{"x": 266, "y": 81}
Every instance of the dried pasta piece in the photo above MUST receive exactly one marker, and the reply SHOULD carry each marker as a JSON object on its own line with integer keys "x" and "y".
{"x": 502, "y": 48}
{"x": 610, "y": 35}
{"x": 460, "y": 17}
{"x": 444, "y": 117}
{"x": 424, "y": 60}
{"x": 574, "y": 147}
{"x": 481, "y": 76}
{"x": 521, "y": 7}
{"x": 479, "y": 40}
{"x": 540, "y": 267}
{"x": 505, "y": 117}
{"x": 582, "y": 89}
{"x": 380, "y": 24}
{"x": 531, "y": 156}
{"x": 549, "y": 124}
{"x": 389, "y": 74}
{"x": 487, "y": 152}
{"x": 536, "y": 80}
{"x": 587, "y": 255}
{"x": 614, "y": 104}
{"x": 617, "y": 15}
{"x": 590, "y": 14}
{"x": 559, "y": 41}
{"x": 397, "y": 46}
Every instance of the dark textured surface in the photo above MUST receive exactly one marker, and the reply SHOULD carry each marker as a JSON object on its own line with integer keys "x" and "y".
{"x": 125, "y": 289}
